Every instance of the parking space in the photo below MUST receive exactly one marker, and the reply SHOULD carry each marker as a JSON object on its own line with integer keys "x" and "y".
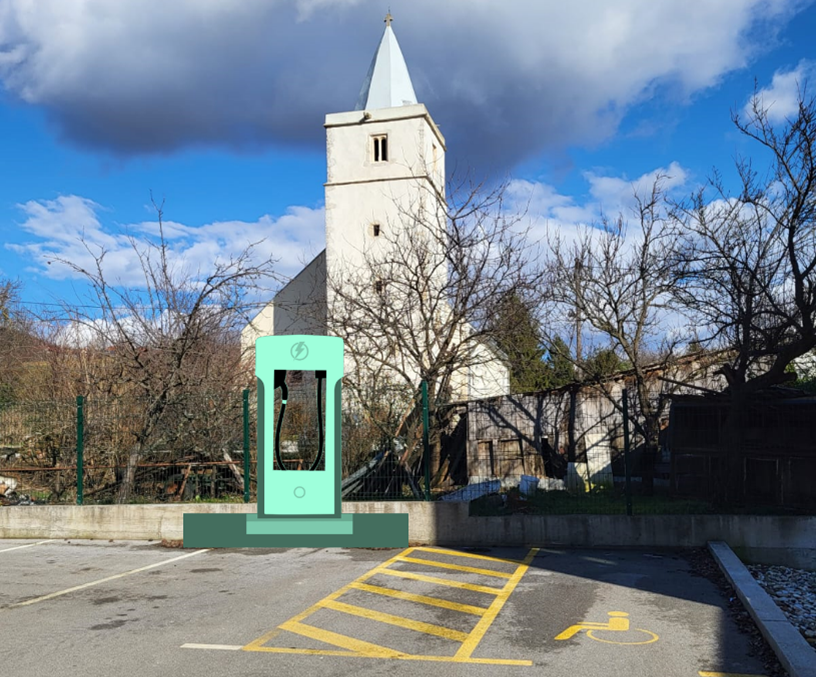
{"x": 136, "y": 607}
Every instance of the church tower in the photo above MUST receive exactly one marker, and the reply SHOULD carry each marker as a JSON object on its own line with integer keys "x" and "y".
{"x": 385, "y": 162}
{"x": 385, "y": 186}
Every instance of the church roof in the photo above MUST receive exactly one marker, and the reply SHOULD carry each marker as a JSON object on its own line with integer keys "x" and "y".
{"x": 387, "y": 83}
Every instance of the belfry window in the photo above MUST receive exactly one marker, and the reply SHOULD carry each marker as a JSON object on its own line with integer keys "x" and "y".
{"x": 379, "y": 286}
{"x": 380, "y": 148}
{"x": 376, "y": 231}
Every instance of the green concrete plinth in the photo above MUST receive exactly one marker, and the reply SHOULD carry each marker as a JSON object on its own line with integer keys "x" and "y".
{"x": 300, "y": 526}
{"x": 235, "y": 530}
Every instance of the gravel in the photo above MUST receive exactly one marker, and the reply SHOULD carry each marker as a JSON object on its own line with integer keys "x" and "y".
{"x": 793, "y": 591}
{"x": 702, "y": 564}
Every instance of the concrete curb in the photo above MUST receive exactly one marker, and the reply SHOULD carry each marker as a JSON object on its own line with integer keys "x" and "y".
{"x": 793, "y": 651}
{"x": 760, "y": 539}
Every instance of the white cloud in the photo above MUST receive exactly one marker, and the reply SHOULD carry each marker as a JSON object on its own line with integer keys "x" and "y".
{"x": 547, "y": 212}
{"x": 615, "y": 194}
{"x": 60, "y": 225}
{"x": 506, "y": 80}
{"x": 781, "y": 98}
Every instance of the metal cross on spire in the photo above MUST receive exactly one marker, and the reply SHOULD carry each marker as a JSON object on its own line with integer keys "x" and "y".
{"x": 388, "y": 18}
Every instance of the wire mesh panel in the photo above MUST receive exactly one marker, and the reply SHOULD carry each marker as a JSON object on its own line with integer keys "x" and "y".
{"x": 38, "y": 451}
{"x": 382, "y": 449}
{"x": 142, "y": 450}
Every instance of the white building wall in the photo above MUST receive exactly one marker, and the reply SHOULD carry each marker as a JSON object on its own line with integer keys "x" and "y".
{"x": 298, "y": 308}
{"x": 361, "y": 192}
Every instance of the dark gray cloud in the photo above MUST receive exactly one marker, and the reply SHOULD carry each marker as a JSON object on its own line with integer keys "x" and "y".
{"x": 505, "y": 80}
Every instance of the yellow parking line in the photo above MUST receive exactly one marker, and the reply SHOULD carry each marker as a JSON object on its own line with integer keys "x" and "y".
{"x": 257, "y": 644}
{"x": 263, "y": 639}
{"x": 399, "y": 621}
{"x": 310, "y": 652}
{"x": 399, "y": 657}
{"x": 470, "y": 644}
{"x": 456, "y": 553}
{"x": 343, "y": 641}
{"x": 342, "y": 591}
{"x": 420, "y": 599}
{"x": 440, "y": 581}
{"x": 456, "y": 567}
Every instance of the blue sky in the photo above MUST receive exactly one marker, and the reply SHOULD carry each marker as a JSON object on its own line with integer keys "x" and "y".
{"x": 219, "y": 111}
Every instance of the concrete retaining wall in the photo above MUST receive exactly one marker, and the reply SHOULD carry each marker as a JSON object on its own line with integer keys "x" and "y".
{"x": 758, "y": 539}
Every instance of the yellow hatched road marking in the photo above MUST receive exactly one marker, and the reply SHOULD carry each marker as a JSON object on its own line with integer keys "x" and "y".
{"x": 349, "y": 646}
{"x": 456, "y": 553}
{"x": 421, "y": 599}
{"x": 470, "y": 644}
{"x": 343, "y": 641}
{"x": 456, "y": 567}
{"x": 441, "y": 581}
{"x": 399, "y": 621}
{"x": 263, "y": 639}
{"x": 342, "y": 591}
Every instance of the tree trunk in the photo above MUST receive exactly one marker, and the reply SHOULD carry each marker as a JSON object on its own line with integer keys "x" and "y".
{"x": 130, "y": 474}
{"x": 239, "y": 478}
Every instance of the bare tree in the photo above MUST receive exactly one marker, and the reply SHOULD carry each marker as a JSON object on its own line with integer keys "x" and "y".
{"x": 16, "y": 341}
{"x": 748, "y": 264}
{"x": 614, "y": 282}
{"x": 173, "y": 335}
{"x": 416, "y": 307}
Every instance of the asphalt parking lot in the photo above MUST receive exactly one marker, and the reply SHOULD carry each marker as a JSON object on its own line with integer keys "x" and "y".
{"x": 137, "y": 608}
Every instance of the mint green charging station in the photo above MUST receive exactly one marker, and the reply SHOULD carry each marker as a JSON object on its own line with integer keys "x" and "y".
{"x": 298, "y": 499}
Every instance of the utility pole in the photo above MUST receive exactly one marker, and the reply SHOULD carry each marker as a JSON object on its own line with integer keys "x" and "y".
{"x": 578, "y": 319}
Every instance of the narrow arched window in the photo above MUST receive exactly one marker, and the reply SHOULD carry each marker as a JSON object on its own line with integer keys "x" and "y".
{"x": 380, "y": 147}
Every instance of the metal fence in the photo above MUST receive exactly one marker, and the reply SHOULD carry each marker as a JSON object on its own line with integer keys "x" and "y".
{"x": 107, "y": 450}
{"x": 564, "y": 451}
{"x": 578, "y": 450}
{"x": 198, "y": 448}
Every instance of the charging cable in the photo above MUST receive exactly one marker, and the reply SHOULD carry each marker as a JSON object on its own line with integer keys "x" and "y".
{"x": 280, "y": 382}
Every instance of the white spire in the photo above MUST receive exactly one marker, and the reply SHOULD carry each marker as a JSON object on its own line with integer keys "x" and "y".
{"x": 387, "y": 83}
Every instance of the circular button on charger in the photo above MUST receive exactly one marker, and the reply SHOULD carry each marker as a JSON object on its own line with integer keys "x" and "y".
{"x": 300, "y": 492}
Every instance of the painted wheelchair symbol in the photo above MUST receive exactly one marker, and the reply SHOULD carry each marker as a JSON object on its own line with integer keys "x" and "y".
{"x": 618, "y": 622}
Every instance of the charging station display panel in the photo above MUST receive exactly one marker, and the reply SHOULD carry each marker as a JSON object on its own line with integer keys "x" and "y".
{"x": 300, "y": 421}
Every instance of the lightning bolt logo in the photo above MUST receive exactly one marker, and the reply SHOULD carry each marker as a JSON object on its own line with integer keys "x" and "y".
{"x": 299, "y": 350}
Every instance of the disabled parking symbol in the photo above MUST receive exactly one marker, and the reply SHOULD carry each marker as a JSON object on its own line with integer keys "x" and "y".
{"x": 618, "y": 622}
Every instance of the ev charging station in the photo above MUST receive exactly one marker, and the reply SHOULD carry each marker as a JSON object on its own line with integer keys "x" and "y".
{"x": 299, "y": 502}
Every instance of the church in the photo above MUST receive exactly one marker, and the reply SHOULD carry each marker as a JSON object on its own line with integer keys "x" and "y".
{"x": 385, "y": 174}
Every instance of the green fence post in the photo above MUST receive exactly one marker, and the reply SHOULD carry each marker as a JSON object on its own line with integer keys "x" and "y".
{"x": 627, "y": 463}
{"x": 80, "y": 446}
{"x": 425, "y": 443}
{"x": 246, "y": 446}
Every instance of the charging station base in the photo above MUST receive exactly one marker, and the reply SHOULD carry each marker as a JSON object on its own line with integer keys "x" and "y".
{"x": 241, "y": 530}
